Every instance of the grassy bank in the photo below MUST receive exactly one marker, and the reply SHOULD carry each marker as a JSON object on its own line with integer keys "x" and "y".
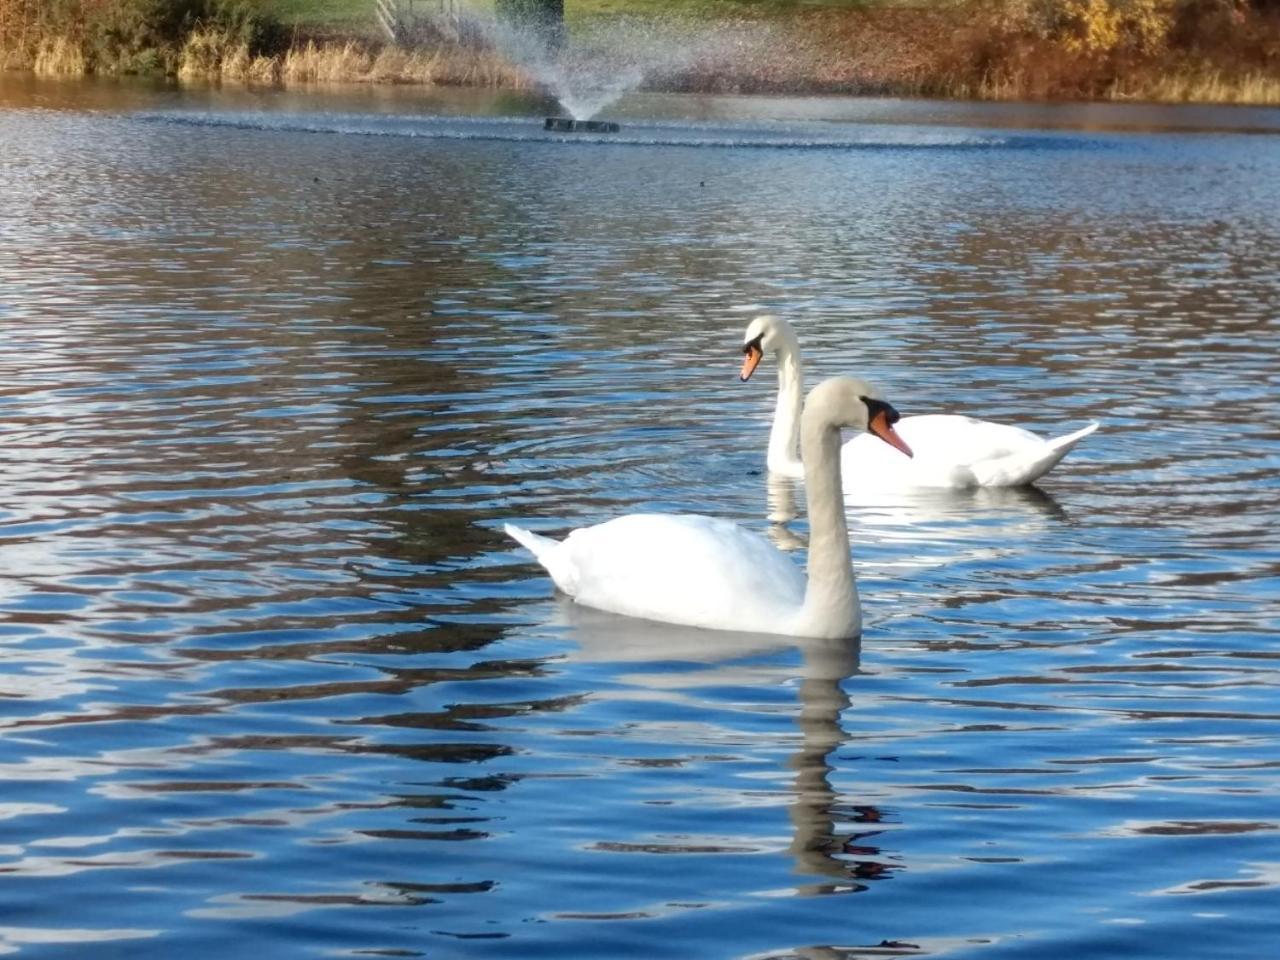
{"x": 1168, "y": 50}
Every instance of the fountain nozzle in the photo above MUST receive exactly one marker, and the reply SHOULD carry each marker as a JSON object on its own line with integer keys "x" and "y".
{"x": 568, "y": 125}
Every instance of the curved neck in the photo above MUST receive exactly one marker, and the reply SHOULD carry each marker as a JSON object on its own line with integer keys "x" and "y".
{"x": 786, "y": 415}
{"x": 831, "y": 599}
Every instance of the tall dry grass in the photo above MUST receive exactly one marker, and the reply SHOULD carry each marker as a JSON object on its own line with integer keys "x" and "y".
{"x": 59, "y": 56}
{"x": 215, "y": 54}
{"x": 1203, "y": 87}
{"x": 313, "y": 62}
{"x": 349, "y": 61}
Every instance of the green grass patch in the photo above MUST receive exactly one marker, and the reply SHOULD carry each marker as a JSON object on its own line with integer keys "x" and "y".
{"x": 325, "y": 16}
{"x": 708, "y": 9}
{"x": 358, "y": 15}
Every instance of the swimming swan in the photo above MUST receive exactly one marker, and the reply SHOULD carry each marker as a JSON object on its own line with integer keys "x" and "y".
{"x": 707, "y": 572}
{"x": 950, "y": 451}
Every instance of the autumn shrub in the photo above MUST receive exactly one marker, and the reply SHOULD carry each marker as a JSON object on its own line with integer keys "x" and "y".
{"x": 129, "y": 36}
{"x": 1102, "y": 27}
{"x": 1228, "y": 30}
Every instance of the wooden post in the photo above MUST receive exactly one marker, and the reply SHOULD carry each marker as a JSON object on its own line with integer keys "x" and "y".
{"x": 399, "y": 19}
{"x": 388, "y": 14}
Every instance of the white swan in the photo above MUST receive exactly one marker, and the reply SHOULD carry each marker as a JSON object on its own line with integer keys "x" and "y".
{"x": 706, "y": 572}
{"x": 950, "y": 450}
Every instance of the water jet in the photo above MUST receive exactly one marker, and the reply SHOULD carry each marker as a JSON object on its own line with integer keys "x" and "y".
{"x": 593, "y": 66}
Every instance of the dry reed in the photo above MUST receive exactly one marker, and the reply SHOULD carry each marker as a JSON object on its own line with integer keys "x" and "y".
{"x": 59, "y": 56}
{"x": 213, "y": 54}
{"x": 444, "y": 65}
{"x": 330, "y": 62}
{"x": 1203, "y": 87}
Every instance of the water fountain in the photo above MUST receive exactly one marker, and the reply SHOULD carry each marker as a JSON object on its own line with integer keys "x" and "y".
{"x": 597, "y": 65}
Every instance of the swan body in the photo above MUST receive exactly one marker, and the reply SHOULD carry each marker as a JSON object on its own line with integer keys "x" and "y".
{"x": 711, "y": 573}
{"x": 690, "y": 569}
{"x": 951, "y": 451}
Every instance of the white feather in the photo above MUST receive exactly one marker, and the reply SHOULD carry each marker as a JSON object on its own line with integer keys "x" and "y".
{"x": 689, "y": 569}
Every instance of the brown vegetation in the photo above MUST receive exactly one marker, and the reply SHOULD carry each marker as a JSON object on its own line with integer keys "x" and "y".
{"x": 442, "y": 64}
{"x": 1202, "y": 50}
{"x": 1172, "y": 50}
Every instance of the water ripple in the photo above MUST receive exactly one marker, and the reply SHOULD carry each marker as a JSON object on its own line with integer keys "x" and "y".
{"x": 270, "y": 390}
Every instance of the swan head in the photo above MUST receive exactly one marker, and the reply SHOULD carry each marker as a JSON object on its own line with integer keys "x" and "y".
{"x": 855, "y": 403}
{"x": 765, "y": 334}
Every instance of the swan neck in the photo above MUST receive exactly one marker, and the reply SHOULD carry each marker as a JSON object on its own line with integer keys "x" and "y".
{"x": 784, "y": 436}
{"x": 831, "y": 600}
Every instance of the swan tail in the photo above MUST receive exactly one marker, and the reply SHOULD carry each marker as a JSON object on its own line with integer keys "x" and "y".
{"x": 547, "y": 552}
{"x": 1019, "y": 469}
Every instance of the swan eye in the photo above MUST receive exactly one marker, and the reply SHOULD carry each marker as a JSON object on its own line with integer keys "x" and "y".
{"x": 876, "y": 407}
{"x": 753, "y": 345}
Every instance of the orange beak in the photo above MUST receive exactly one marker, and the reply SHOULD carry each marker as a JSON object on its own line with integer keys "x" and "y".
{"x": 750, "y": 360}
{"x": 883, "y": 429}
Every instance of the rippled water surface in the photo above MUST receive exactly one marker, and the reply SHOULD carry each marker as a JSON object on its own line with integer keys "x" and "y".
{"x": 273, "y": 376}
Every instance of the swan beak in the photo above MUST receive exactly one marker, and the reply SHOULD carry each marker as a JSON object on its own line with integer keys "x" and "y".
{"x": 751, "y": 357}
{"x": 883, "y": 429}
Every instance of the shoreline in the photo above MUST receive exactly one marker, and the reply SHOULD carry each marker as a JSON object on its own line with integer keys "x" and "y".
{"x": 960, "y": 53}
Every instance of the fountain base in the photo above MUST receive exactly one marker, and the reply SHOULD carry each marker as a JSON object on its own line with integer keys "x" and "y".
{"x": 568, "y": 125}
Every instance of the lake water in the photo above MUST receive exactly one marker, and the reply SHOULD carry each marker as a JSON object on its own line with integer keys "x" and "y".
{"x": 277, "y": 367}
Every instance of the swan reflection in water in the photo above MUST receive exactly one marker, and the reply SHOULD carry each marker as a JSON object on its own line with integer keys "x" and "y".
{"x": 832, "y": 836}
{"x": 946, "y": 525}
{"x": 843, "y": 857}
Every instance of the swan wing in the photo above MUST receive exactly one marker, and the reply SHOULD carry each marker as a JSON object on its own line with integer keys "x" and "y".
{"x": 955, "y": 451}
{"x": 867, "y": 462}
{"x": 688, "y": 569}
{"x": 960, "y": 439}
{"x": 1027, "y": 466}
